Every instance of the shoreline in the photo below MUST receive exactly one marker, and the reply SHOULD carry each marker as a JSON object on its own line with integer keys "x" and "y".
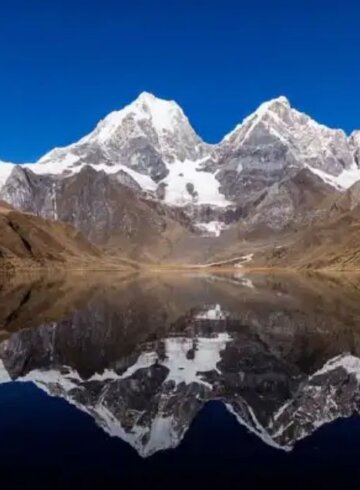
{"x": 10, "y": 268}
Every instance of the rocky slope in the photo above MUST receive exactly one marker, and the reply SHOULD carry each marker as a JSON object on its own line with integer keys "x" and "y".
{"x": 270, "y": 175}
{"x": 107, "y": 212}
{"x": 29, "y": 241}
{"x": 333, "y": 240}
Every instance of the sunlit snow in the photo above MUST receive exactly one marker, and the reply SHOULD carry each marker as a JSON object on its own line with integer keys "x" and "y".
{"x": 5, "y": 170}
{"x": 344, "y": 180}
{"x": 212, "y": 228}
{"x": 205, "y": 185}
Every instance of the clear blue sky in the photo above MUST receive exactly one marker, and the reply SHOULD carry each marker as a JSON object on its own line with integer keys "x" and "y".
{"x": 64, "y": 64}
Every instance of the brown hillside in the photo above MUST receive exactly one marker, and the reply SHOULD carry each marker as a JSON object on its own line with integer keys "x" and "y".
{"x": 29, "y": 241}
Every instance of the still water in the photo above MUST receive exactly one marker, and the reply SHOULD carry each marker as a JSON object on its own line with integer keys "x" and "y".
{"x": 180, "y": 381}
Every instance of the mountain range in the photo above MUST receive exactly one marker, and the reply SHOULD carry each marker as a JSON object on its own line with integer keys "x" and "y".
{"x": 144, "y": 185}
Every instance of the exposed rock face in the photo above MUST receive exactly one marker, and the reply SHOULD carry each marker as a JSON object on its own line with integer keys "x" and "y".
{"x": 331, "y": 242}
{"x": 274, "y": 144}
{"x": 31, "y": 192}
{"x": 293, "y": 202}
{"x": 145, "y": 356}
{"x": 105, "y": 210}
{"x": 277, "y": 164}
{"x": 354, "y": 141}
{"x": 281, "y": 136}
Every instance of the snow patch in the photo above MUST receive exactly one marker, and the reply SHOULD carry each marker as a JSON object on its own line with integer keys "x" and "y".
{"x": 212, "y": 228}
{"x": 343, "y": 181}
{"x": 244, "y": 260}
{"x": 63, "y": 168}
{"x": 206, "y": 187}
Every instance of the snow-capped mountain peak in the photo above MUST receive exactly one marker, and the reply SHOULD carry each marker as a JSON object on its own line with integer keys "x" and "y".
{"x": 149, "y": 145}
{"x": 152, "y": 141}
{"x": 162, "y": 115}
{"x": 144, "y": 136}
{"x": 269, "y": 108}
{"x": 277, "y": 125}
{"x": 279, "y": 117}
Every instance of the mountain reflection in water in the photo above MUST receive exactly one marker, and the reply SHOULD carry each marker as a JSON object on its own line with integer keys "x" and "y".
{"x": 275, "y": 357}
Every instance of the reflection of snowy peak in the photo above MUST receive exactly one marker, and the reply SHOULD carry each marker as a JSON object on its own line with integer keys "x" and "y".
{"x": 322, "y": 399}
{"x": 152, "y": 403}
{"x": 330, "y": 393}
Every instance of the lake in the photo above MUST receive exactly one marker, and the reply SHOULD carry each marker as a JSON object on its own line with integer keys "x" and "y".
{"x": 180, "y": 380}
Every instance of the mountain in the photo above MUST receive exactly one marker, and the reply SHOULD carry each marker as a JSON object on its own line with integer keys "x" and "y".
{"x": 146, "y": 136}
{"x": 290, "y": 203}
{"x": 333, "y": 240}
{"x": 277, "y": 137}
{"x": 29, "y": 241}
{"x": 107, "y": 212}
{"x": 268, "y": 176}
{"x": 150, "y": 140}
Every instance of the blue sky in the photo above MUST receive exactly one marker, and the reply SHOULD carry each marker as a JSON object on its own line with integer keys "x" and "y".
{"x": 64, "y": 64}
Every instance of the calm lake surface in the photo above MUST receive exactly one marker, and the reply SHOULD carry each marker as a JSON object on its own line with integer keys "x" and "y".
{"x": 176, "y": 381}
